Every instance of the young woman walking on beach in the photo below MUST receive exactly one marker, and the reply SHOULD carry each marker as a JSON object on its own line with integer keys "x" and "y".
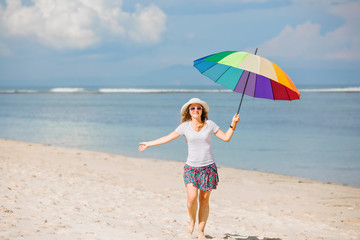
{"x": 200, "y": 172}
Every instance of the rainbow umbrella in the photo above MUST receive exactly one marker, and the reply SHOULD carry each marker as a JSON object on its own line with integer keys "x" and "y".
{"x": 248, "y": 74}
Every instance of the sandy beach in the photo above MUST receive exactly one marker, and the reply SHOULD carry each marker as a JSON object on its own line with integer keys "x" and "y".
{"x": 49, "y": 192}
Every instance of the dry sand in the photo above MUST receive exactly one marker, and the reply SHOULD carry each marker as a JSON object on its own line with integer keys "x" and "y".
{"x": 50, "y": 192}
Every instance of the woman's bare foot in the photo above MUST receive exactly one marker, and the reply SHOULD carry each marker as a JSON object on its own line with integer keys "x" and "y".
{"x": 190, "y": 228}
{"x": 201, "y": 235}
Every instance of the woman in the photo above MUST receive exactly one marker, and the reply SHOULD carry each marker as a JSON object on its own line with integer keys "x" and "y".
{"x": 200, "y": 172}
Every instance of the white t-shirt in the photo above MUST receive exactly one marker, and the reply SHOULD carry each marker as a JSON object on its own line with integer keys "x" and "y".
{"x": 199, "y": 143}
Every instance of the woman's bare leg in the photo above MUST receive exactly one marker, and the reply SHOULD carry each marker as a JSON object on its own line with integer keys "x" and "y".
{"x": 192, "y": 194}
{"x": 203, "y": 212}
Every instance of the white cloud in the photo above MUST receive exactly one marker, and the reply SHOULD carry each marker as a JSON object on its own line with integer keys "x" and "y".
{"x": 306, "y": 41}
{"x": 81, "y": 23}
{"x": 348, "y": 35}
{"x": 147, "y": 24}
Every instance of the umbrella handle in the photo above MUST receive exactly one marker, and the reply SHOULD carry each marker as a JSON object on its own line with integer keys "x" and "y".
{"x": 245, "y": 87}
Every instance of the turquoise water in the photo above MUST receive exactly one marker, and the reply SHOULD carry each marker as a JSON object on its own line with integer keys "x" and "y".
{"x": 317, "y": 137}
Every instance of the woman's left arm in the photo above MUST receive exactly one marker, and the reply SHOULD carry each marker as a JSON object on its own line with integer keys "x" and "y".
{"x": 226, "y": 137}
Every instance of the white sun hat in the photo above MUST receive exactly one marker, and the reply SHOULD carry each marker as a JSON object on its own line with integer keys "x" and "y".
{"x": 192, "y": 101}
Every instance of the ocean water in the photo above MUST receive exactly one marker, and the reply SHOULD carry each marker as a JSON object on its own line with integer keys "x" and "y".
{"x": 317, "y": 137}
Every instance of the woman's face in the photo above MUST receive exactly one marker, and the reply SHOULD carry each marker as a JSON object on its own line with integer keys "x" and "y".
{"x": 195, "y": 110}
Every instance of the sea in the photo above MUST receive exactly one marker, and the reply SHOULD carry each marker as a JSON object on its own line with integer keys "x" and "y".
{"x": 316, "y": 137}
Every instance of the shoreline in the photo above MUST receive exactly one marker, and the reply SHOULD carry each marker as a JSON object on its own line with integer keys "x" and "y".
{"x": 302, "y": 179}
{"x": 49, "y": 191}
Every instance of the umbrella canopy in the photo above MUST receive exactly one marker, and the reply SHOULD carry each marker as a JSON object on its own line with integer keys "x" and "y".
{"x": 241, "y": 70}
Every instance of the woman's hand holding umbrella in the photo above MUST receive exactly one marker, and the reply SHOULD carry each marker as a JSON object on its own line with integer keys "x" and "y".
{"x": 226, "y": 136}
{"x": 235, "y": 121}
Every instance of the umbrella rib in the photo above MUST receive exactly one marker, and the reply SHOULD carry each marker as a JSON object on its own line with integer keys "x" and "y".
{"x": 205, "y": 69}
{"x": 222, "y": 74}
{"x": 272, "y": 89}
{"x": 286, "y": 90}
{"x": 255, "y": 85}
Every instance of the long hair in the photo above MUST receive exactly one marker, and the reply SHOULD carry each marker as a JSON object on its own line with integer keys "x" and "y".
{"x": 187, "y": 117}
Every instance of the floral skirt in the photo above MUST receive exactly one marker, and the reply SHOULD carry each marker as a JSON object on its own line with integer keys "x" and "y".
{"x": 204, "y": 178}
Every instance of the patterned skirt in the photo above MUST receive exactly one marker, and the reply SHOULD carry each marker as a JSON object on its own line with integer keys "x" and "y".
{"x": 204, "y": 178}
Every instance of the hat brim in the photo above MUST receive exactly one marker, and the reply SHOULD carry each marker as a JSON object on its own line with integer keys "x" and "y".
{"x": 193, "y": 101}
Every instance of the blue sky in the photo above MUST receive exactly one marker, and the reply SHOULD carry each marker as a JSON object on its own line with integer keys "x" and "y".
{"x": 67, "y": 43}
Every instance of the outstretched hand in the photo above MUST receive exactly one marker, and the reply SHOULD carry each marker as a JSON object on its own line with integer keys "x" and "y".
{"x": 143, "y": 146}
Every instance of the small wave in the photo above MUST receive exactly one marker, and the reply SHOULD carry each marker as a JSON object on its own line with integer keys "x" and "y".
{"x": 66, "y": 90}
{"x": 18, "y": 91}
{"x": 115, "y": 90}
{"x": 145, "y": 90}
{"x": 7, "y": 91}
{"x": 331, "y": 90}
{"x": 162, "y": 90}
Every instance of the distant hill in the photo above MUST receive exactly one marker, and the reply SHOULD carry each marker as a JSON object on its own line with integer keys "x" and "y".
{"x": 174, "y": 76}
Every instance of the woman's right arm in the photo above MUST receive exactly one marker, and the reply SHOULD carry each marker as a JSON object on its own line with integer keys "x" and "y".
{"x": 172, "y": 136}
